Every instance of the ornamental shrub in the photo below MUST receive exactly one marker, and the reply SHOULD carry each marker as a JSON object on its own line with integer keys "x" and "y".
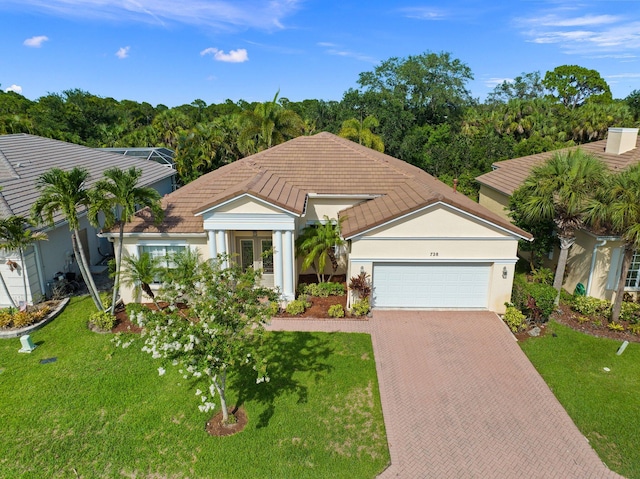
{"x": 590, "y": 306}
{"x": 615, "y": 326}
{"x": 514, "y": 319}
{"x": 540, "y": 301}
{"x": 336, "y": 311}
{"x": 360, "y": 307}
{"x": 630, "y": 312}
{"x": 297, "y": 306}
{"x": 323, "y": 290}
{"x": 103, "y": 320}
{"x": 519, "y": 294}
{"x": 361, "y": 284}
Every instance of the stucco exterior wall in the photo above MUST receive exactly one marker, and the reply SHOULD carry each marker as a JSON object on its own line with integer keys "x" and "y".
{"x": 247, "y": 205}
{"x": 441, "y": 235}
{"x": 130, "y": 248}
{"x": 494, "y": 201}
{"x": 317, "y": 208}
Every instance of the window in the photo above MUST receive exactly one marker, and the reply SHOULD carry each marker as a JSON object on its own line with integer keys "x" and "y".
{"x": 633, "y": 276}
{"x": 164, "y": 252}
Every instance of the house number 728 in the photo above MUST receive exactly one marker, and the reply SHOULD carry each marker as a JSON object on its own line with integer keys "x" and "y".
{"x": 433, "y": 253}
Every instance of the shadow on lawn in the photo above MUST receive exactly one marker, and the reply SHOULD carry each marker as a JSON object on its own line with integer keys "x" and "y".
{"x": 289, "y": 356}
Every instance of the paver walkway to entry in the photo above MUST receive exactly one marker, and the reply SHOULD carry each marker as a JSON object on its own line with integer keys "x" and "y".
{"x": 460, "y": 399}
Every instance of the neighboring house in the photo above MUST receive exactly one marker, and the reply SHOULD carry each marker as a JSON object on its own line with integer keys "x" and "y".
{"x": 424, "y": 244}
{"x": 23, "y": 158}
{"x": 594, "y": 260}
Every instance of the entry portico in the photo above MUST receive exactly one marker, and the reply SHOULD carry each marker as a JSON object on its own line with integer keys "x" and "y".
{"x": 261, "y": 234}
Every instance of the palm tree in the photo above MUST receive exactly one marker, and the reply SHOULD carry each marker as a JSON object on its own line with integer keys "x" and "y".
{"x": 617, "y": 208}
{"x": 267, "y": 125}
{"x": 64, "y": 192}
{"x": 317, "y": 243}
{"x": 560, "y": 190}
{"x": 16, "y": 236}
{"x": 118, "y": 197}
{"x": 140, "y": 272}
{"x": 360, "y": 131}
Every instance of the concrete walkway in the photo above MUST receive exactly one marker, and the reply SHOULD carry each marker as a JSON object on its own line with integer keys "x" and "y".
{"x": 461, "y": 400}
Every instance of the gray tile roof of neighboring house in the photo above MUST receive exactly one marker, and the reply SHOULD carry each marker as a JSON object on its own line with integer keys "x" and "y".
{"x": 508, "y": 175}
{"x": 322, "y": 164}
{"x": 23, "y": 158}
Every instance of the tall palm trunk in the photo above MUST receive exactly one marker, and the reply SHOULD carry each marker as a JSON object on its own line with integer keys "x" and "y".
{"x": 24, "y": 277}
{"x": 565, "y": 243}
{"x": 116, "y": 279}
{"x": 626, "y": 263}
{"x": 86, "y": 274}
{"x": 6, "y": 291}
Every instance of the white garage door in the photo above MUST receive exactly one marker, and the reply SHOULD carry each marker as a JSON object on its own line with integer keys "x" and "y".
{"x": 442, "y": 285}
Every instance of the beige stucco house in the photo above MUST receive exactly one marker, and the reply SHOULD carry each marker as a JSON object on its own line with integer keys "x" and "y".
{"x": 594, "y": 260}
{"x": 23, "y": 159}
{"x": 424, "y": 244}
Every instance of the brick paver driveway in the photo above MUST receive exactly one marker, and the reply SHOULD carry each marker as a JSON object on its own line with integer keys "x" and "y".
{"x": 460, "y": 399}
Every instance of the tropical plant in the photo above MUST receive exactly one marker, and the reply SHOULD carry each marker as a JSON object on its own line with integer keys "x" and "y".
{"x": 16, "y": 235}
{"x": 268, "y": 124}
{"x": 118, "y": 197}
{"x": 560, "y": 190}
{"x": 616, "y": 207}
{"x": 360, "y": 131}
{"x": 64, "y": 192}
{"x": 318, "y": 243}
{"x": 140, "y": 273}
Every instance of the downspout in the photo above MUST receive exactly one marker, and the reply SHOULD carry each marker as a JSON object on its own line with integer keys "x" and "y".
{"x": 599, "y": 243}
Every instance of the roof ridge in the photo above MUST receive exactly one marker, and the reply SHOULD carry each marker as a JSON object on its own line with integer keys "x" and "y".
{"x": 367, "y": 153}
{"x": 5, "y": 162}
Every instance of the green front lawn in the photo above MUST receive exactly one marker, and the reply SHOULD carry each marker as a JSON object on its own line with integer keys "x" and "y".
{"x": 98, "y": 411}
{"x": 603, "y": 404}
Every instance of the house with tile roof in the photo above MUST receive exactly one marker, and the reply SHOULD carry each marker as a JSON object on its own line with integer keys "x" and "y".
{"x": 594, "y": 260}
{"x": 424, "y": 244}
{"x": 23, "y": 159}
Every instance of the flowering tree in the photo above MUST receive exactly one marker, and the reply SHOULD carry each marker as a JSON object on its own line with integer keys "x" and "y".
{"x": 220, "y": 329}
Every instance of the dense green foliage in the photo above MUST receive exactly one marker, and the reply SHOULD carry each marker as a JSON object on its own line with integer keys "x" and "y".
{"x": 597, "y": 388}
{"x": 422, "y": 111}
{"x": 101, "y": 411}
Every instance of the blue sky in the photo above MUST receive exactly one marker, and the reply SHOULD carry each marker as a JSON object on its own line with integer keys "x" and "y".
{"x": 175, "y": 51}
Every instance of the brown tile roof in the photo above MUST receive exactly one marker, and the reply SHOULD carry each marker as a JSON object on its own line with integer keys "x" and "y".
{"x": 322, "y": 164}
{"x": 23, "y": 158}
{"x": 509, "y": 174}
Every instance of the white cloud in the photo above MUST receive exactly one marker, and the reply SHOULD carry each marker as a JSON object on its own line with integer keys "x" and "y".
{"x": 424, "y": 13}
{"x": 234, "y": 56}
{"x": 220, "y": 14}
{"x": 35, "y": 42}
{"x": 123, "y": 52}
{"x": 494, "y": 82}
{"x": 624, "y": 75}
{"x": 575, "y": 30}
{"x": 15, "y": 88}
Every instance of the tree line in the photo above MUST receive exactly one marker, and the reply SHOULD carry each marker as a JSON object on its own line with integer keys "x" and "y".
{"x": 417, "y": 108}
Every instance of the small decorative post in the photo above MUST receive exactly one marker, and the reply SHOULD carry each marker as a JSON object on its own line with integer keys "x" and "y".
{"x": 27, "y": 344}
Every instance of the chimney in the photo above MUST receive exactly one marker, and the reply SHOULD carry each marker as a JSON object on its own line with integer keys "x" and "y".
{"x": 621, "y": 140}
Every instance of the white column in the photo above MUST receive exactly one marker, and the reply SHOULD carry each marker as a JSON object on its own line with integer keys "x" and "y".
{"x": 277, "y": 260}
{"x": 288, "y": 266}
{"x": 221, "y": 244}
{"x": 213, "y": 249}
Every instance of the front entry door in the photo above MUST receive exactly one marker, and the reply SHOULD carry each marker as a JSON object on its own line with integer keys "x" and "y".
{"x": 251, "y": 254}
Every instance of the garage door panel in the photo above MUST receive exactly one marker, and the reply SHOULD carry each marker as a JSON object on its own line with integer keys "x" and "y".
{"x": 416, "y": 285}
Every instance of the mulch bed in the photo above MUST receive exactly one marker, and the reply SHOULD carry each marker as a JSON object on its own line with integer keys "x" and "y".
{"x": 566, "y": 316}
{"x": 215, "y": 427}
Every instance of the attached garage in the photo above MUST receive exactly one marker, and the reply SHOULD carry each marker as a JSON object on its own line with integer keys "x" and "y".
{"x": 431, "y": 285}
